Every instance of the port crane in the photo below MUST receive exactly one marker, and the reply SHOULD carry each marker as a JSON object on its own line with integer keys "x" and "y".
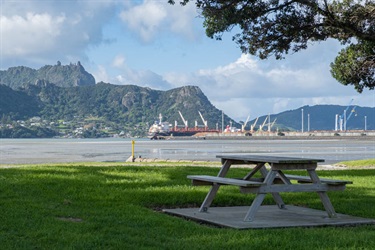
{"x": 244, "y": 125}
{"x": 203, "y": 120}
{"x": 271, "y": 125}
{"x": 264, "y": 123}
{"x": 351, "y": 113}
{"x": 341, "y": 120}
{"x": 253, "y": 125}
{"x": 183, "y": 119}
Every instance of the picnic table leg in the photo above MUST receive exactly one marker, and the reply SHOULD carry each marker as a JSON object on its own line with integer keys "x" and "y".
{"x": 323, "y": 195}
{"x": 276, "y": 196}
{"x": 259, "y": 198}
{"x": 209, "y": 198}
{"x": 215, "y": 187}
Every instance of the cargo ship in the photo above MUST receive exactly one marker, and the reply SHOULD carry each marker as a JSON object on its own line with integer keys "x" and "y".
{"x": 163, "y": 130}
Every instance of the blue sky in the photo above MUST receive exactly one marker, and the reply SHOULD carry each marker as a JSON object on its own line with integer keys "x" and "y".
{"x": 153, "y": 44}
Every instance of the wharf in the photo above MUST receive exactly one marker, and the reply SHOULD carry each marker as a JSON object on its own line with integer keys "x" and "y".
{"x": 271, "y": 137}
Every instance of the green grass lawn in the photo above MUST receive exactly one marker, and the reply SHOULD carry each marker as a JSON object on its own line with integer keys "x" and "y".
{"x": 359, "y": 163}
{"x": 74, "y": 206}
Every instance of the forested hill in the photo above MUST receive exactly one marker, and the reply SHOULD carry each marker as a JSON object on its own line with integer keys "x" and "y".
{"x": 322, "y": 117}
{"x": 129, "y": 106}
{"x": 60, "y": 75}
{"x": 124, "y": 104}
{"x": 17, "y": 104}
{"x": 126, "y": 108}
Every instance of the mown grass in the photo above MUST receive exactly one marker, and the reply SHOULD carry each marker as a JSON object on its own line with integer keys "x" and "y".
{"x": 79, "y": 206}
{"x": 359, "y": 163}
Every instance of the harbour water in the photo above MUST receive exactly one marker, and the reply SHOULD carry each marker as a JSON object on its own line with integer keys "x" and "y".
{"x": 35, "y": 151}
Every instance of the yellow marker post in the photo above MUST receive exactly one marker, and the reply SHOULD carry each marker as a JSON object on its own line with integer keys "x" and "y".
{"x": 133, "y": 158}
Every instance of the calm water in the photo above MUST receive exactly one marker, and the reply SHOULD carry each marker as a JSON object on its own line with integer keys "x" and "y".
{"x": 23, "y": 151}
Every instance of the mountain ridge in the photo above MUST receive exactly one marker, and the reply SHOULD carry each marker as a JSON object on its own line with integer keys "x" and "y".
{"x": 61, "y": 75}
{"x": 323, "y": 117}
{"x": 68, "y": 94}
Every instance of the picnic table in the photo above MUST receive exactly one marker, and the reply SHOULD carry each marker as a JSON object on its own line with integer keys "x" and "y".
{"x": 271, "y": 181}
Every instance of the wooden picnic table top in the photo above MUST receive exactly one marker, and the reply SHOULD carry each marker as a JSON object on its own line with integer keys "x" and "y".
{"x": 248, "y": 158}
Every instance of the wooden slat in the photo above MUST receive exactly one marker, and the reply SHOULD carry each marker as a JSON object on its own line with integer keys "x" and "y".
{"x": 294, "y": 166}
{"x": 209, "y": 180}
{"x": 293, "y": 188}
{"x": 307, "y": 179}
{"x": 253, "y": 159}
{"x": 254, "y": 170}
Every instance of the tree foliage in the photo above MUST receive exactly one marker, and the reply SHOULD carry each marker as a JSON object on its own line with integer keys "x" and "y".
{"x": 356, "y": 65}
{"x": 278, "y": 27}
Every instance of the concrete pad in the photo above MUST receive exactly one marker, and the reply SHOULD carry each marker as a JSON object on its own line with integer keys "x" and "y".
{"x": 268, "y": 217}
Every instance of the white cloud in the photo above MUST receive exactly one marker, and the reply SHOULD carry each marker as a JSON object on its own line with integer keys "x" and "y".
{"x": 151, "y": 18}
{"x": 144, "y": 78}
{"x": 42, "y": 32}
{"x": 256, "y": 87}
{"x": 101, "y": 75}
{"x": 247, "y": 77}
{"x": 145, "y": 19}
{"x": 182, "y": 19}
{"x": 32, "y": 34}
{"x": 124, "y": 75}
{"x": 119, "y": 61}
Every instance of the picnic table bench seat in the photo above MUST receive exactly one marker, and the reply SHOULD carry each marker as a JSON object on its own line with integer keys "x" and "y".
{"x": 307, "y": 179}
{"x": 200, "y": 180}
{"x": 248, "y": 186}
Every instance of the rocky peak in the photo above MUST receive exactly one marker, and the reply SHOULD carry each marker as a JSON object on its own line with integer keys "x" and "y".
{"x": 61, "y": 75}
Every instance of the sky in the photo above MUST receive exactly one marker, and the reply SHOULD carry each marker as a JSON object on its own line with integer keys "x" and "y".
{"x": 150, "y": 43}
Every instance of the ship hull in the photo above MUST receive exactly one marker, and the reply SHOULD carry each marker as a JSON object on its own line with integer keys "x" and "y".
{"x": 187, "y": 133}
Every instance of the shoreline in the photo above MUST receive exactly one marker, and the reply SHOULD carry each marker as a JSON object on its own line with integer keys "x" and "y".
{"x": 167, "y": 162}
{"x": 278, "y": 135}
{"x": 268, "y": 137}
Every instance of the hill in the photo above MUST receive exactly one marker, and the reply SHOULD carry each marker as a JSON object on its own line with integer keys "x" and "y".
{"x": 123, "y": 104}
{"x": 66, "y": 99}
{"x": 60, "y": 75}
{"x": 127, "y": 108}
{"x": 17, "y": 104}
{"x": 322, "y": 117}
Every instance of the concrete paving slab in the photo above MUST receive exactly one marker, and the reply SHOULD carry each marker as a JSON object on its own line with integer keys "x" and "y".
{"x": 268, "y": 217}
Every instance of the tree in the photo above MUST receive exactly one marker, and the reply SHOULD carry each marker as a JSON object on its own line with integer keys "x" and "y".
{"x": 356, "y": 65}
{"x": 277, "y": 27}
